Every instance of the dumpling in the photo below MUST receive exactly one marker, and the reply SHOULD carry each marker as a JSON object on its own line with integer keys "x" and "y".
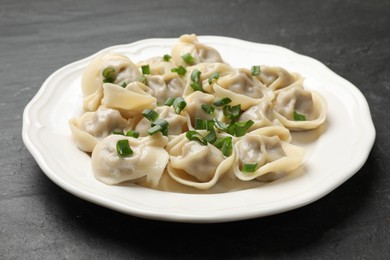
{"x": 149, "y": 159}
{"x": 277, "y": 78}
{"x": 157, "y": 65}
{"x": 188, "y": 44}
{"x": 242, "y": 88}
{"x": 93, "y": 126}
{"x": 300, "y": 109}
{"x": 196, "y": 165}
{"x": 261, "y": 114}
{"x": 121, "y": 70}
{"x": 177, "y": 123}
{"x": 258, "y": 155}
{"x": 131, "y": 100}
{"x": 165, "y": 86}
{"x": 206, "y": 71}
{"x": 194, "y": 110}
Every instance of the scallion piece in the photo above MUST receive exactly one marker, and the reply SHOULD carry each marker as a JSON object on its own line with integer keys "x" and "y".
{"x": 236, "y": 112}
{"x": 123, "y": 148}
{"x": 160, "y": 125}
{"x": 211, "y": 137}
{"x": 109, "y": 75}
{"x": 255, "y": 70}
{"x": 239, "y": 128}
{"x": 209, "y": 109}
{"x": 195, "y": 75}
{"x": 222, "y": 102}
{"x": 227, "y": 146}
{"x": 213, "y": 78}
{"x": 196, "y": 87}
{"x": 117, "y": 132}
{"x": 167, "y": 57}
{"x": 150, "y": 114}
{"x": 145, "y": 69}
{"x": 193, "y": 135}
{"x": 161, "y": 122}
{"x": 210, "y": 125}
{"x": 142, "y": 79}
{"x": 188, "y": 58}
{"x": 179, "y": 104}
{"x": 155, "y": 129}
{"x": 298, "y": 117}
{"x": 124, "y": 84}
{"x": 132, "y": 133}
{"x": 249, "y": 167}
{"x": 200, "y": 124}
{"x": 169, "y": 101}
{"x": 220, "y": 125}
{"x": 180, "y": 70}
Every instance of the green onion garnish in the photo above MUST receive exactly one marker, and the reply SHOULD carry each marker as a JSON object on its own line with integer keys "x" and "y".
{"x": 188, "y": 58}
{"x": 167, "y": 57}
{"x": 227, "y": 147}
{"x": 195, "y": 136}
{"x": 222, "y": 102}
{"x": 239, "y": 128}
{"x": 124, "y": 84}
{"x": 195, "y": 76}
{"x": 117, "y": 132}
{"x": 160, "y": 125}
{"x": 213, "y": 78}
{"x": 298, "y": 117}
{"x": 200, "y": 124}
{"x": 249, "y": 167}
{"x": 109, "y": 75}
{"x": 220, "y": 125}
{"x": 123, "y": 148}
{"x": 210, "y": 125}
{"x": 155, "y": 129}
{"x": 132, "y": 133}
{"x": 150, "y": 114}
{"x": 142, "y": 79}
{"x": 145, "y": 69}
{"x": 179, "y": 104}
{"x": 169, "y": 101}
{"x": 255, "y": 70}
{"x": 236, "y": 112}
{"x": 211, "y": 137}
{"x": 209, "y": 109}
{"x": 180, "y": 70}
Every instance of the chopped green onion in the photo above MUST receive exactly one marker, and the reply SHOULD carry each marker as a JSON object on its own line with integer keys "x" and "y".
{"x": 188, "y": 58}
{"x": 214, "y": 77}
{"x": 145, "y": 69}
{"x": 211, "y": 137}
{"x": 236, "y": 112}
{"x": 169, "y": 101}
{"x": 209, "y": 109}
{"x": 117, "y": 132}
{"x": 167, "y": 57}
{"x": 180, "y": 70}
{"x": 255, "y": 70}
{"x": 195, "y": 76}
{"x": 249, "y": 167}
{"x": 222, "y": 102}
{"x": 239, "y": 128}
{"x": 298, "y": 117}
{"x": 227, "y": 111}
{"x": 179, "y": 104}
{"x": 142, "y": 79}
{"x": 220, "y": 125}
{"x": 200, "y": 124}
{"x": 227, "y": 147}
{"x": 123, "y": 148}
{"x": 161, "y": 122}
{"x": 132, "y": 133}
{"x": 195, "y": 136}
{"x": 109, "y": 75}
{"x": 160, "y": 125}
{"x": 210, "y": 125}
{"x": 150, "y": 114}
{"x": 124, "y": 84}
{"x": 155, "y": 129}
{"x": 196, "y": 87}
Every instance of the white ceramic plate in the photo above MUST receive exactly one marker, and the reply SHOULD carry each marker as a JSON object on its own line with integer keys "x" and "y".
{"x": 339, "y": 153}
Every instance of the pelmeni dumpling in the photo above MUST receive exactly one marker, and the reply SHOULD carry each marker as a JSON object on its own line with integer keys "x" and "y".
{"x": 149, "y": 159}
{"x": 267, "y": 154}
{"x": 194, "y": 109}
{"x": 157, "y": 65}
{"x": 165, "y": 86}
{"x": 123, "y": 70}
{"x": 300, "y": 109}
{"x": 177, "y": 123}
{"x": 196, "y": 165}
{"x": 188, "y": 44}
{"x": 261, "y": 114}
{"x": 277, "y": 78}
{"x": 242, "y": 88}
{"x": 93, "y": 126}
{"x": 131, "y": 100}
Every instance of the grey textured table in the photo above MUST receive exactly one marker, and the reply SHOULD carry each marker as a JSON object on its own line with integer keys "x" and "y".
{"x": 39, "y": 220}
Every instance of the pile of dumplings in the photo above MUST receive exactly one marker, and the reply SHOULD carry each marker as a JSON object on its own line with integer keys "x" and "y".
{"x": 267, "y": 103}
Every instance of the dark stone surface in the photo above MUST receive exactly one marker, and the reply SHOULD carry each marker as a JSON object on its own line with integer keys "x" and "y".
{"x": 39, "y": 220}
